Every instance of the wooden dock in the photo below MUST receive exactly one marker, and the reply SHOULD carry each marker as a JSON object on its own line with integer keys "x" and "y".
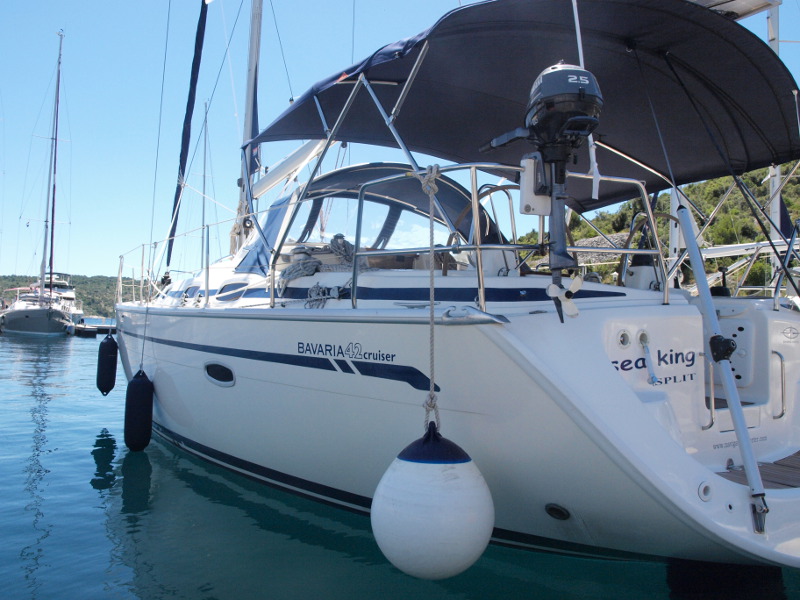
{"x": 90, "y": 331}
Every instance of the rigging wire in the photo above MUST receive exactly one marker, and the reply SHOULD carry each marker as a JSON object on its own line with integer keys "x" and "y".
{"x": 224, "y": 24}
{"x": 750, "y": 199}
{"x": 655, "y": 117}
{"x": 210, "y": 101}
{"x": 68, "y": 198}
{"x": 353, "y": 36}
{"x": 797, "y": 110}
{"x": 155, "y": 181}
{"x": 27, "y": 194}
{"x": 214, "y": 202}
{"x": 283, "y": 56}
{"x": 345, "y": 153}
{"x": 660, "y": 134}
{"x": 160, "y": 122}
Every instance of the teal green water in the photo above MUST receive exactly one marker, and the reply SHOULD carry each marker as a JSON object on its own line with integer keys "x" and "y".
{"x": 80, "y": 517}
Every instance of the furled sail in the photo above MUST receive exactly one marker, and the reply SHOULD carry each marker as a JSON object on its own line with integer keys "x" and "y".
{"x": 187, "y": 123}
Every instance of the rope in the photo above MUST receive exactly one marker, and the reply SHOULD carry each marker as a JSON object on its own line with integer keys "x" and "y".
{"x": 302, "y": 268}
{"x": 428, "y": 182}
{"x": 652, "y": 379}
{"x": 317, "y": 296}
{"x": 342, "y": 248}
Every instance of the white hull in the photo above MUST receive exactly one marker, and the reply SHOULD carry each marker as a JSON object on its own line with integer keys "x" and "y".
{"x": 303, "y": 358}
{"x": 628, "y": 461}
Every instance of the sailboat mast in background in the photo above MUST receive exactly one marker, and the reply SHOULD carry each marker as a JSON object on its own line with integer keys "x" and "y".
{"x": 50, "y": 207}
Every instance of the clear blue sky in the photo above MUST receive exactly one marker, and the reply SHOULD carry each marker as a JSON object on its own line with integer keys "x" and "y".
{"x": 111, "y": 92}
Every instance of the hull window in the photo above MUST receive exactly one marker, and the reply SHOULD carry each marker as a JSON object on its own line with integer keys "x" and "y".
{"x": 220, "y": 374}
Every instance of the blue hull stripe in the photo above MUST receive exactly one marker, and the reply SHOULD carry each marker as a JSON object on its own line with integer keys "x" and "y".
{"x": 410, "y": 375}
{"x": 274, "y": 357}
{"x": 344, "y": 366}
{"x": 468, "y": 294}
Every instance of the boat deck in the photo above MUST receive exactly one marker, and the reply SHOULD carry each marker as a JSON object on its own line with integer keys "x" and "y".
{"x": 783, "y": 473}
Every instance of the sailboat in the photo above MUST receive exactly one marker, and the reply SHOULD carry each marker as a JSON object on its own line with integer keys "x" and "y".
{"x": 48, "y": 306}
{"x": 631, "y": 420}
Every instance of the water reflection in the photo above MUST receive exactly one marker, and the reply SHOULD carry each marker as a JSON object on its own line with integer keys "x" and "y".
{"x": 37, "y": 365}
{"x": 136, "y": 473}
{"x": 105, "y": 447}
{"x": 185, "y": 528}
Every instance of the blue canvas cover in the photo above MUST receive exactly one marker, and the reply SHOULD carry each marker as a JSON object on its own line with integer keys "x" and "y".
{"x": 722, "y": 99}
{"x": 258, "y": 255}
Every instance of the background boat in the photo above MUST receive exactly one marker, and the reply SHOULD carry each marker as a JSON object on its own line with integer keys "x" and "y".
{"x": 49, "y": 307}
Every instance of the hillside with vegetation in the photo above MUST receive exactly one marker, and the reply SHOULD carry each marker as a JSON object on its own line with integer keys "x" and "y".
{"x": 735, "y": 223}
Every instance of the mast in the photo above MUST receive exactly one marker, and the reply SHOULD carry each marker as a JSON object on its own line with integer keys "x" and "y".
{"x": 50, "y": 206}
{"x": 250, "y": 156}
{"x": 55, "y": 159}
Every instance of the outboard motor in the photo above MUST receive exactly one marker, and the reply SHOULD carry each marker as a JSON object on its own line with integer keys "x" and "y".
{"x": 562, "y": 110}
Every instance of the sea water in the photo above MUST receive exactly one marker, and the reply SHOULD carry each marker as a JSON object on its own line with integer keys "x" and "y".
{"x": 83, "y": 518}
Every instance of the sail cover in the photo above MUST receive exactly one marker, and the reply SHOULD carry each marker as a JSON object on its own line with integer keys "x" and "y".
{"x": 721, "y": 99}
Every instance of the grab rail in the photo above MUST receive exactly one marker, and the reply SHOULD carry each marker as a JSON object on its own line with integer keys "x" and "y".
{"x": 478, "y": 247}
{"x": 712, "y": 401}
{"x": 783, "y": 385}
{"x": 650, "y": 219}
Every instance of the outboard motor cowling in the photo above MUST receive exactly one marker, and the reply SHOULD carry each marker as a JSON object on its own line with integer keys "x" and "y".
{"x": 563, "y": 107}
